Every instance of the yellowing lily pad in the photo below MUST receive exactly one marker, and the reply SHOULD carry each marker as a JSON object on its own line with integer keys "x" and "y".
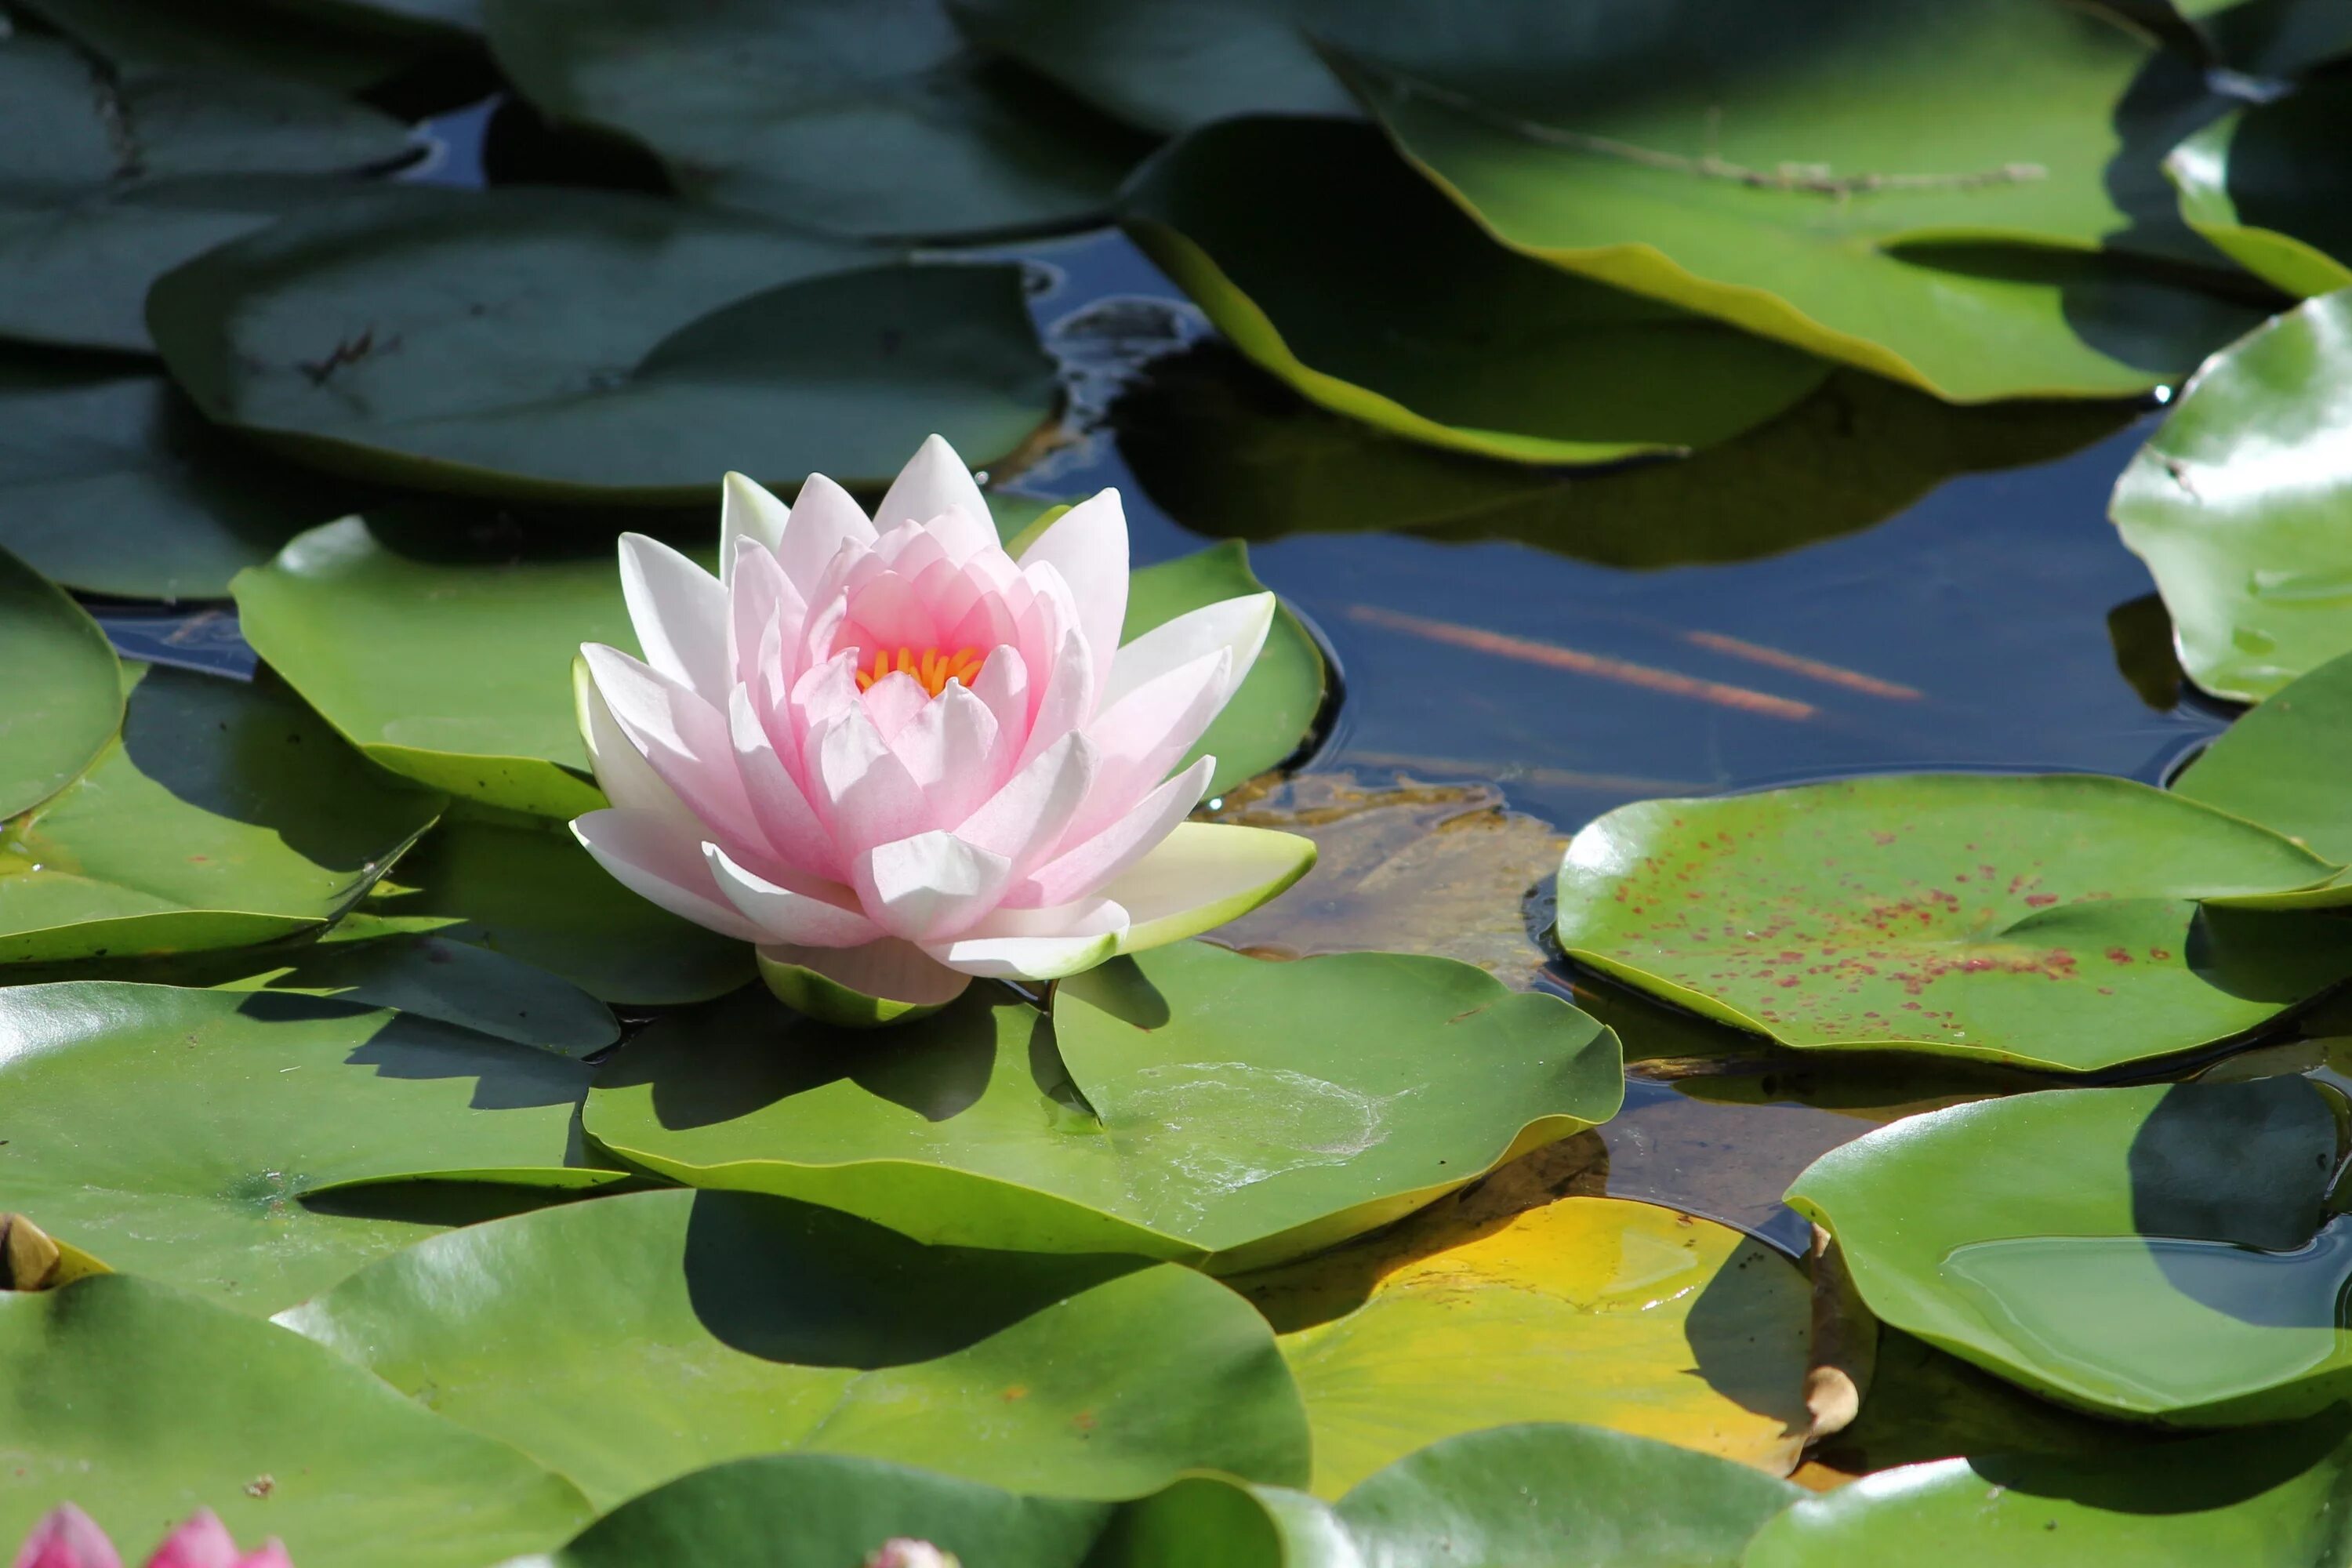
{"x": 1598, "y": 1311}
{"x": 1187, "y": 1103}
{"x": 2047, "y": 921}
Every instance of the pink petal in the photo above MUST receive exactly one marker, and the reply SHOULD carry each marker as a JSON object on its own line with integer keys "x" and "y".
{"x": 824, "y": 520}
{"x": 888, "y": 615}
{"x": 929, "y": 886}
{"x": 894, "y": 701}
{"x": 1086, "y": 869}
{"x": 862, "y": 790}
{"x": 1087, "y": 546}
{"x": 802, "y": 918}
{"x": 204, "y": 1542}
{"x": 949, "y": 749}
{"x": 686, "y": 741}
{"x": 935, "y": 489}
{"x": 1147, "y": 732}
{"x": 1240, "y": 625}
{"x": 622, "y": 772}
{"x": 679, "y": 612}
{"x": 760, "y": 602}
{"x": 787, "y": 821}
{"x": 1025, "y": 821}
{"x": 644, "y": 856}
{"x": 1067, "y": 700}
{"x": 67, "y": 1538}
{"x": 1004, "y": 685}
{"x": 910, "y": 550}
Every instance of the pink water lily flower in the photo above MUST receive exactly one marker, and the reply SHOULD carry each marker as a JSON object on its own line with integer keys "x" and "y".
{"x": 897, "y": 758}
{"x": 69, "y": 1538}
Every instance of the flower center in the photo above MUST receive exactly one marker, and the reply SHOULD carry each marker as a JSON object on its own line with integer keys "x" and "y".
{"x": 932, "y": 667}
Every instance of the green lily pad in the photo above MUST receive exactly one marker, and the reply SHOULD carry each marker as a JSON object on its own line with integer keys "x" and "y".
{"x": 2272, "y": 1498}
{"x": 185, "y": 507}
{"x": 1294, "y": 233}
{"x": 189, "y": 1134}
{"x": 254, "y": 37}
{"x": 224, "y": 815}
{"x": 2047, "y": 921}
{"x": 526, "y": 889}
{"x": 833, "y": 115}
{"x": 2267, "y": 38}
{"x": 1160, "y": 1111}
{"x": 1227, "y": 450}
{"x": 62, "y": 700}
{"x": 2163, "y": 1252}
{"x": 624, "y": 1341}
{"x": 2283, "y": 764}
{"x": 1921, "y": 229}
{"x": 2260, "y": 184}
{"x": 2237, "y": 504}
{"x": 452, "y": 667}
{"x": 568, "y": 345}
{"x": 107, "y": 181}
{"x": 142, "y": 1405}
{"x": 1593, "y": 1310}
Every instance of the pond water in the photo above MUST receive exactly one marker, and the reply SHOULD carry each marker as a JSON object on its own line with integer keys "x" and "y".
{"x": 1529, "y": 650}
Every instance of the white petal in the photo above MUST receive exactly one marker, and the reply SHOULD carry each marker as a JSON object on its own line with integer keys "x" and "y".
{"x": 1203, "y": 875}
{"x": 652, "y": 860}
{"x": 782, "y": 915}
{"x": 930, "y": 886}
{"x": 1240, "y": 625}
{"x": 825, "y": 518}
{"x": 622, "y": 772}
{"x": 684, "y": 737}
{"x": 680, "y": 612}
{"x": 1026, "y": 957}
{"x": 1087, "y": 545}
{"x": 1025, "y": 821}
{"x": 1091, "y": 866}
{"x": 747, "y": 511}
{"x": 1085, "y": 917}
{"x": 1148, "y": 733}
{"x": 933, "y": 484}
{"x": 893, "y": 970}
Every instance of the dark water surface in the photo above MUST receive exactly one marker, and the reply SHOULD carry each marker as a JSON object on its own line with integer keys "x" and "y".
{"x": 1855, "y": 607}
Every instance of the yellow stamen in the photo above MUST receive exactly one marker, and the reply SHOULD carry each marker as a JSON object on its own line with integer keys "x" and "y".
{"x": 932, "y": 667}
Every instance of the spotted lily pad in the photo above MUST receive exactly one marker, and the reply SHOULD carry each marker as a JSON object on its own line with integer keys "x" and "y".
{"x": 1602, "y": 1310}
{"x": 696, "y": 1328}
{"x": 2259, "y": 184}
{"x": 1292, "y": 234}
{"x": 2237, "y": 504}
{"x": 62, "y": 698}
{"x": 2164, "y": 1253}
{"x": 2047, "y": 921}
{"x": 833, "y": 115}
{"x": 1161, "y": 1111}
{"x": 224, "y": 815}
{"x": 188, "y": 1134}
{"x": 141, "y": 1404}
{"x": 585, "y": 345}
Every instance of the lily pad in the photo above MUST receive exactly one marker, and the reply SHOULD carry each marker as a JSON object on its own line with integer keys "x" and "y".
{"x": 256, "y": 36}
{"x": 1227, "y": 450}
{"x": 2259, "y": 184}
{"x": 2283, "y": 764}
{"x": 624, "y": 1341}
{"x": 2237, "y": 504}
{"x": 1920, "y": 230}
{"x": 2164, "y": 1253}
{"x": 63, "y": 697}
{"x": 451, "y": 665}
{"x": 2047, "y": 921}
{"x": 834, "y": 116}
{"x": 142, "y": 1405}
{"x": 224, "y": 815}
{"x": 525, "y": 889}
{"x": 1161, "y": 1111}
{"x": 1294, "y": 233}
{"x": 2273, "y": 1498}
{"x": 111, "y": 483}
{"x": 570, "y": 344}
{"x": 188, "y": 1135}
{"x": 1479, "y": 1312}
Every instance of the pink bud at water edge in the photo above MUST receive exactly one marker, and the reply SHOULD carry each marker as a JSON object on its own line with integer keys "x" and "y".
{"x": 895, "y": 757}
{"x": 204, "y": 1542}
{"x": 903, "y": 1552}
{"x": 67, "y": 1538}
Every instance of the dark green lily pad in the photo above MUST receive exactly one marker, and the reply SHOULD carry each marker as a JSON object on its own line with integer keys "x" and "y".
{"x": 2163, "y": 1253}
{"x": 2237, "y": 504}
{"x": 1162, "y": 1111}
{"x": 1295, "y": 235}
{"x": 571, "y": 344}
{"x": 2047, "y": 921}
{"x": 834, "y": 115}
{"x": 2261, "y": 184}
{"x": 627, "y": 1340}
{"x": 187, "y": 1135}
{"x": 1227, "y": 450}
{"x": 256, "y": 36}
{"x": 226, "y": 814}
{"x": 185, "y": 508}
{"x": 142, "y": 1405}
{"x": 62, "y": 698}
